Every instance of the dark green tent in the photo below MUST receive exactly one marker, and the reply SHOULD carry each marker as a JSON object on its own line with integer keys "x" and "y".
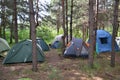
{"x": 43, "y": 44}
{"x": 22, "y": 52}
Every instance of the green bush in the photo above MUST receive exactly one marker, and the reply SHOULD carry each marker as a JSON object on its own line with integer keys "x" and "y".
{"x": 45, "y": 33}
{"x": 23, "y": 34}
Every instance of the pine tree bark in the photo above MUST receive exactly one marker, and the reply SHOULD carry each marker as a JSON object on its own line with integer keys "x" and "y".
{"x": 37, "y": 15}
{"x": 67, "y": 21}
{"x": 15, "y": 22}
{"x": 0, "y": 31}
{"x": 91, "y": 32}
{"x": 115, "y": 30}
{"x": 63, "y": 25}
{"x": 33, "y": 35}
{"x": 58, "y": 19}
{"x": 11, "y": 30}
{"x": 3, "y": 20}
{"x": 71, "y": 20}
{"x": 0, "y": 25}
{"x": 96, "y": 21}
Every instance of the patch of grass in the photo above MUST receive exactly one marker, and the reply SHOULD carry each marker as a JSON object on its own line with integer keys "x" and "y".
{"x": 27, "y": 71}
{"x": 24, "y": 79}
{"x": 91, "y": 71}
{"x": 54, "y": 74}
{"x": 113, "y": 70}
{"x": 1, "y": 73}
{"x": 15, "y": 73}
{"x": 45, "y": 67}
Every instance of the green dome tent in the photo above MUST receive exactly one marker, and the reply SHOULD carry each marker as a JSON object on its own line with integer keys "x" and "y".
{"x": 22, "y": 52}
{"x": 3, "y": 46}
{"x": 43, "y": 44}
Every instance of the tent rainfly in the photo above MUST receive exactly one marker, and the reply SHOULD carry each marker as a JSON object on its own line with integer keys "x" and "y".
{"x": 76, "y": 48}
{"x": 43, "y": 44}
{"x": 104, "y": 42}
{"x": 22, "y": 52}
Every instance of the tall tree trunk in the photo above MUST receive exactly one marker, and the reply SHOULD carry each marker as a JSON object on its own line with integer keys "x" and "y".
{"x": 96, "y": 13}
{"x": 0, "y": 31}
{"x": 71, "y": 20}
{"x": 63, "y": 25}
{"x": 3, "y": 19}
{"x": 11, "y": 30}
{"x": 33, "y": 35}
{"x": 0, "y": 25}
{"x": 37, "y": 7}
{"x": 114, "y": 33}
{"x": 67, "y": 21}
{"x": 96, "y": 20}
{"x": 4, "y": 27}
{"x": 91, "y": 32}
{"x": 83, "y": 31}
{"x": 15, "y": 22}
{"x": 58, "y": 19}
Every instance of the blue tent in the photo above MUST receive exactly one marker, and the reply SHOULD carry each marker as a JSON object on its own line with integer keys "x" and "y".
{"x": 77, "y": 47}
{"x": 104, "y": 42}
{"x": 56, "y": 45}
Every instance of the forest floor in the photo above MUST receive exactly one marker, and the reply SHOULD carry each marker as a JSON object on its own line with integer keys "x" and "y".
{"x": 56, "y": 67}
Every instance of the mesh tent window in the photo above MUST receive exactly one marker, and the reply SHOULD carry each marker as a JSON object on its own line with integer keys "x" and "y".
{"x": 103, "y": 40}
